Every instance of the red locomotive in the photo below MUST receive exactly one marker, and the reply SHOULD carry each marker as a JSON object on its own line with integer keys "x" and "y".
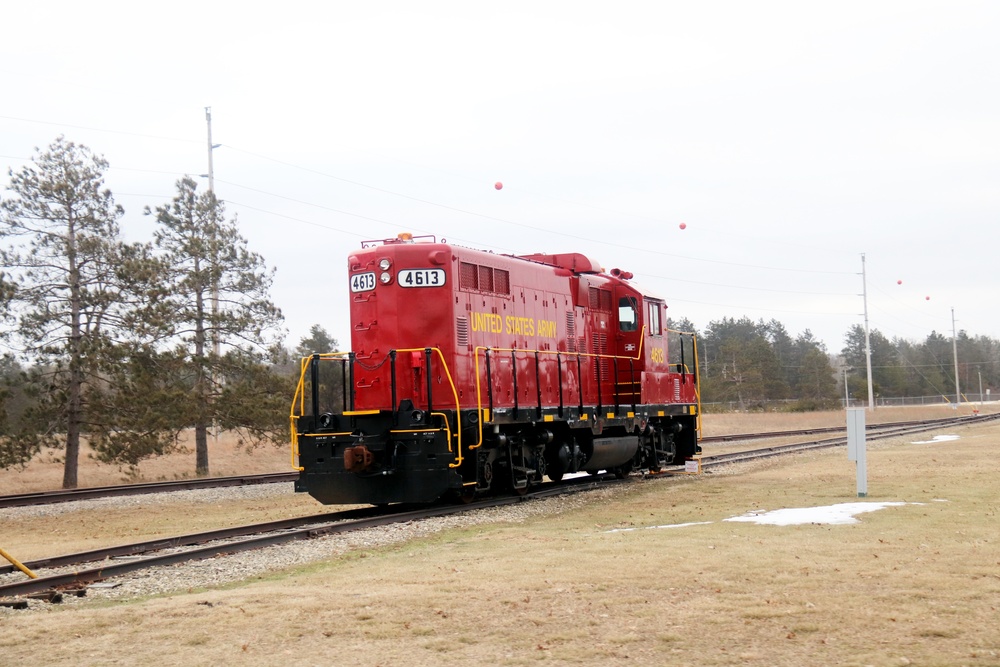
{"x": 473, "y": 372}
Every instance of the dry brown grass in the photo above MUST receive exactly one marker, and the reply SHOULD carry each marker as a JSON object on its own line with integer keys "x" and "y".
{"x": 916, "y": 584}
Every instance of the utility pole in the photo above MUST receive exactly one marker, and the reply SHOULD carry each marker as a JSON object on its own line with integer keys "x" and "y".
{"x": 215, "y": 282}
{"x": 216, "y": 346}
{"x": 954, "y": 349}
{"x": 868, "y": 342}
{"x": 211, "y": 147}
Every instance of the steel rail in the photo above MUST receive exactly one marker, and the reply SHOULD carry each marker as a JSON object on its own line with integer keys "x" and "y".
{"x": 778, "y": 450}
{"x": 308, "y": 527}
{"x": 159, "y": 544}
{"x": 944, "y": 421}
{"x": 89, "y": 493}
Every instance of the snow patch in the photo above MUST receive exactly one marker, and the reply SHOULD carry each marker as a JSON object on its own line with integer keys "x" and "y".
{"x": 841, "y": 513}
{"x": 937, "y": 438}
{"x": 672, "y": 525}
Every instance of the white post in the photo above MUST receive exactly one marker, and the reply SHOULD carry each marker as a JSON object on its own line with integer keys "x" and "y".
{"x": 856, "y": 447}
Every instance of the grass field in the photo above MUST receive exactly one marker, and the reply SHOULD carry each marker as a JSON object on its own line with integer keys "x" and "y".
{"x": 916, "y": 584}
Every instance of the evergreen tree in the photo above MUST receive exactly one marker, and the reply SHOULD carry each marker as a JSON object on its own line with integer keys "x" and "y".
{"x": 73, "y": 287}
{"x": 318, "y": 341}
{"x": 887, "y": 370}
{"x": 815, "y": 383}
{"x": 222, "y": 319}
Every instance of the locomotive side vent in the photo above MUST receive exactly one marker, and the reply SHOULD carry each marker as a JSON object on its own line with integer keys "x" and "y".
{"x": 462, "y": 329}
{"x": 571, "y": 332}
{"x": 501, "y": 281}
{"x": 486, "y": 279}
{"x": 475, "y": 277}
{"x": 468, "y": 276}
{"x": 600, "y": 343}
{"x": 600, "y": 299}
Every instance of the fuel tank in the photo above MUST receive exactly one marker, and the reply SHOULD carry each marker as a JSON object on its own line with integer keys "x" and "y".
{"x": 611, "y": 452}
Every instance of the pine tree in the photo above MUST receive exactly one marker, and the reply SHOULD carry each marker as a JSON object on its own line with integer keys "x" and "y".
{"x": 222, "y": 319}
{"x": 73, "y": 291}
{"x": 318, "y": 341}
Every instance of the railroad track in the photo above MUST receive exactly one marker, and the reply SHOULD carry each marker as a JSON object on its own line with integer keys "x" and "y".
{"x": 869, "y": 428}
{"x": 124, "y": 559}
{"x": 897, "y": 429}
{"x": 68, "y": 495}
{"x": 89, "y": 493}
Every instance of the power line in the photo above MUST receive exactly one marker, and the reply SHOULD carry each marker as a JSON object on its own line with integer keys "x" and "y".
{"x": 97, "y": 129}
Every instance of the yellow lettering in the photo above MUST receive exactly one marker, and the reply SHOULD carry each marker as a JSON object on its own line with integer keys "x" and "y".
{"x": 547, "y": 329}
{"x": 656, "y": 355}
{"x": 514, "y": 326}
{"x": 487, "y": 322}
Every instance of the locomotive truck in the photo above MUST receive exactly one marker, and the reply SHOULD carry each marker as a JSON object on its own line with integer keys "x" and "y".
{"x": 472, "y": 373}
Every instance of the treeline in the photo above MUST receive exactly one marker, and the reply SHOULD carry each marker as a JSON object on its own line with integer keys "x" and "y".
{"x": 752, "y": 364}
{"x": 127, "y": 344}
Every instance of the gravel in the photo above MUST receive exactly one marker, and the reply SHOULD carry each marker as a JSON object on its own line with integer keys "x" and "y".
{"x": 227, "y": 569}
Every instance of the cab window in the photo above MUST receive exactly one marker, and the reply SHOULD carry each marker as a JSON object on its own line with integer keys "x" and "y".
{"x": 655, "y": 327}
{"x": 628, "y": 315}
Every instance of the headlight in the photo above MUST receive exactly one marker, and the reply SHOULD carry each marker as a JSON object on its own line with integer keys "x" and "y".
{"x": 384, "y": 263}
{"x": 386, "y": 277}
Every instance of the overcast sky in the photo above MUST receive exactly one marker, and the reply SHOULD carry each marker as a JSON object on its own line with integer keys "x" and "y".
{"x": 789, "y": 138}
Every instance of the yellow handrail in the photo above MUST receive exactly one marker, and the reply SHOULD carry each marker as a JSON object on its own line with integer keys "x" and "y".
{"x": 300, "y": 389}
{"x": 479, "y": 391}
{"x": 454, "y": 393}
{"x": 299, "y": 398}
{"x": 697, "y": 385}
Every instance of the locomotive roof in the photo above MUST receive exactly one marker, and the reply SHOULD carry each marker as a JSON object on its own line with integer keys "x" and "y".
{"x": 574, "y": 262}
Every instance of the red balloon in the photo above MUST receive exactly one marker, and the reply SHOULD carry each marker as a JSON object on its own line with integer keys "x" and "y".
{"x": 498, "y": 185}
{"x": 683, "y": 225}
{"x": 927, "y": 298}
{"x": 899, "y": 282}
